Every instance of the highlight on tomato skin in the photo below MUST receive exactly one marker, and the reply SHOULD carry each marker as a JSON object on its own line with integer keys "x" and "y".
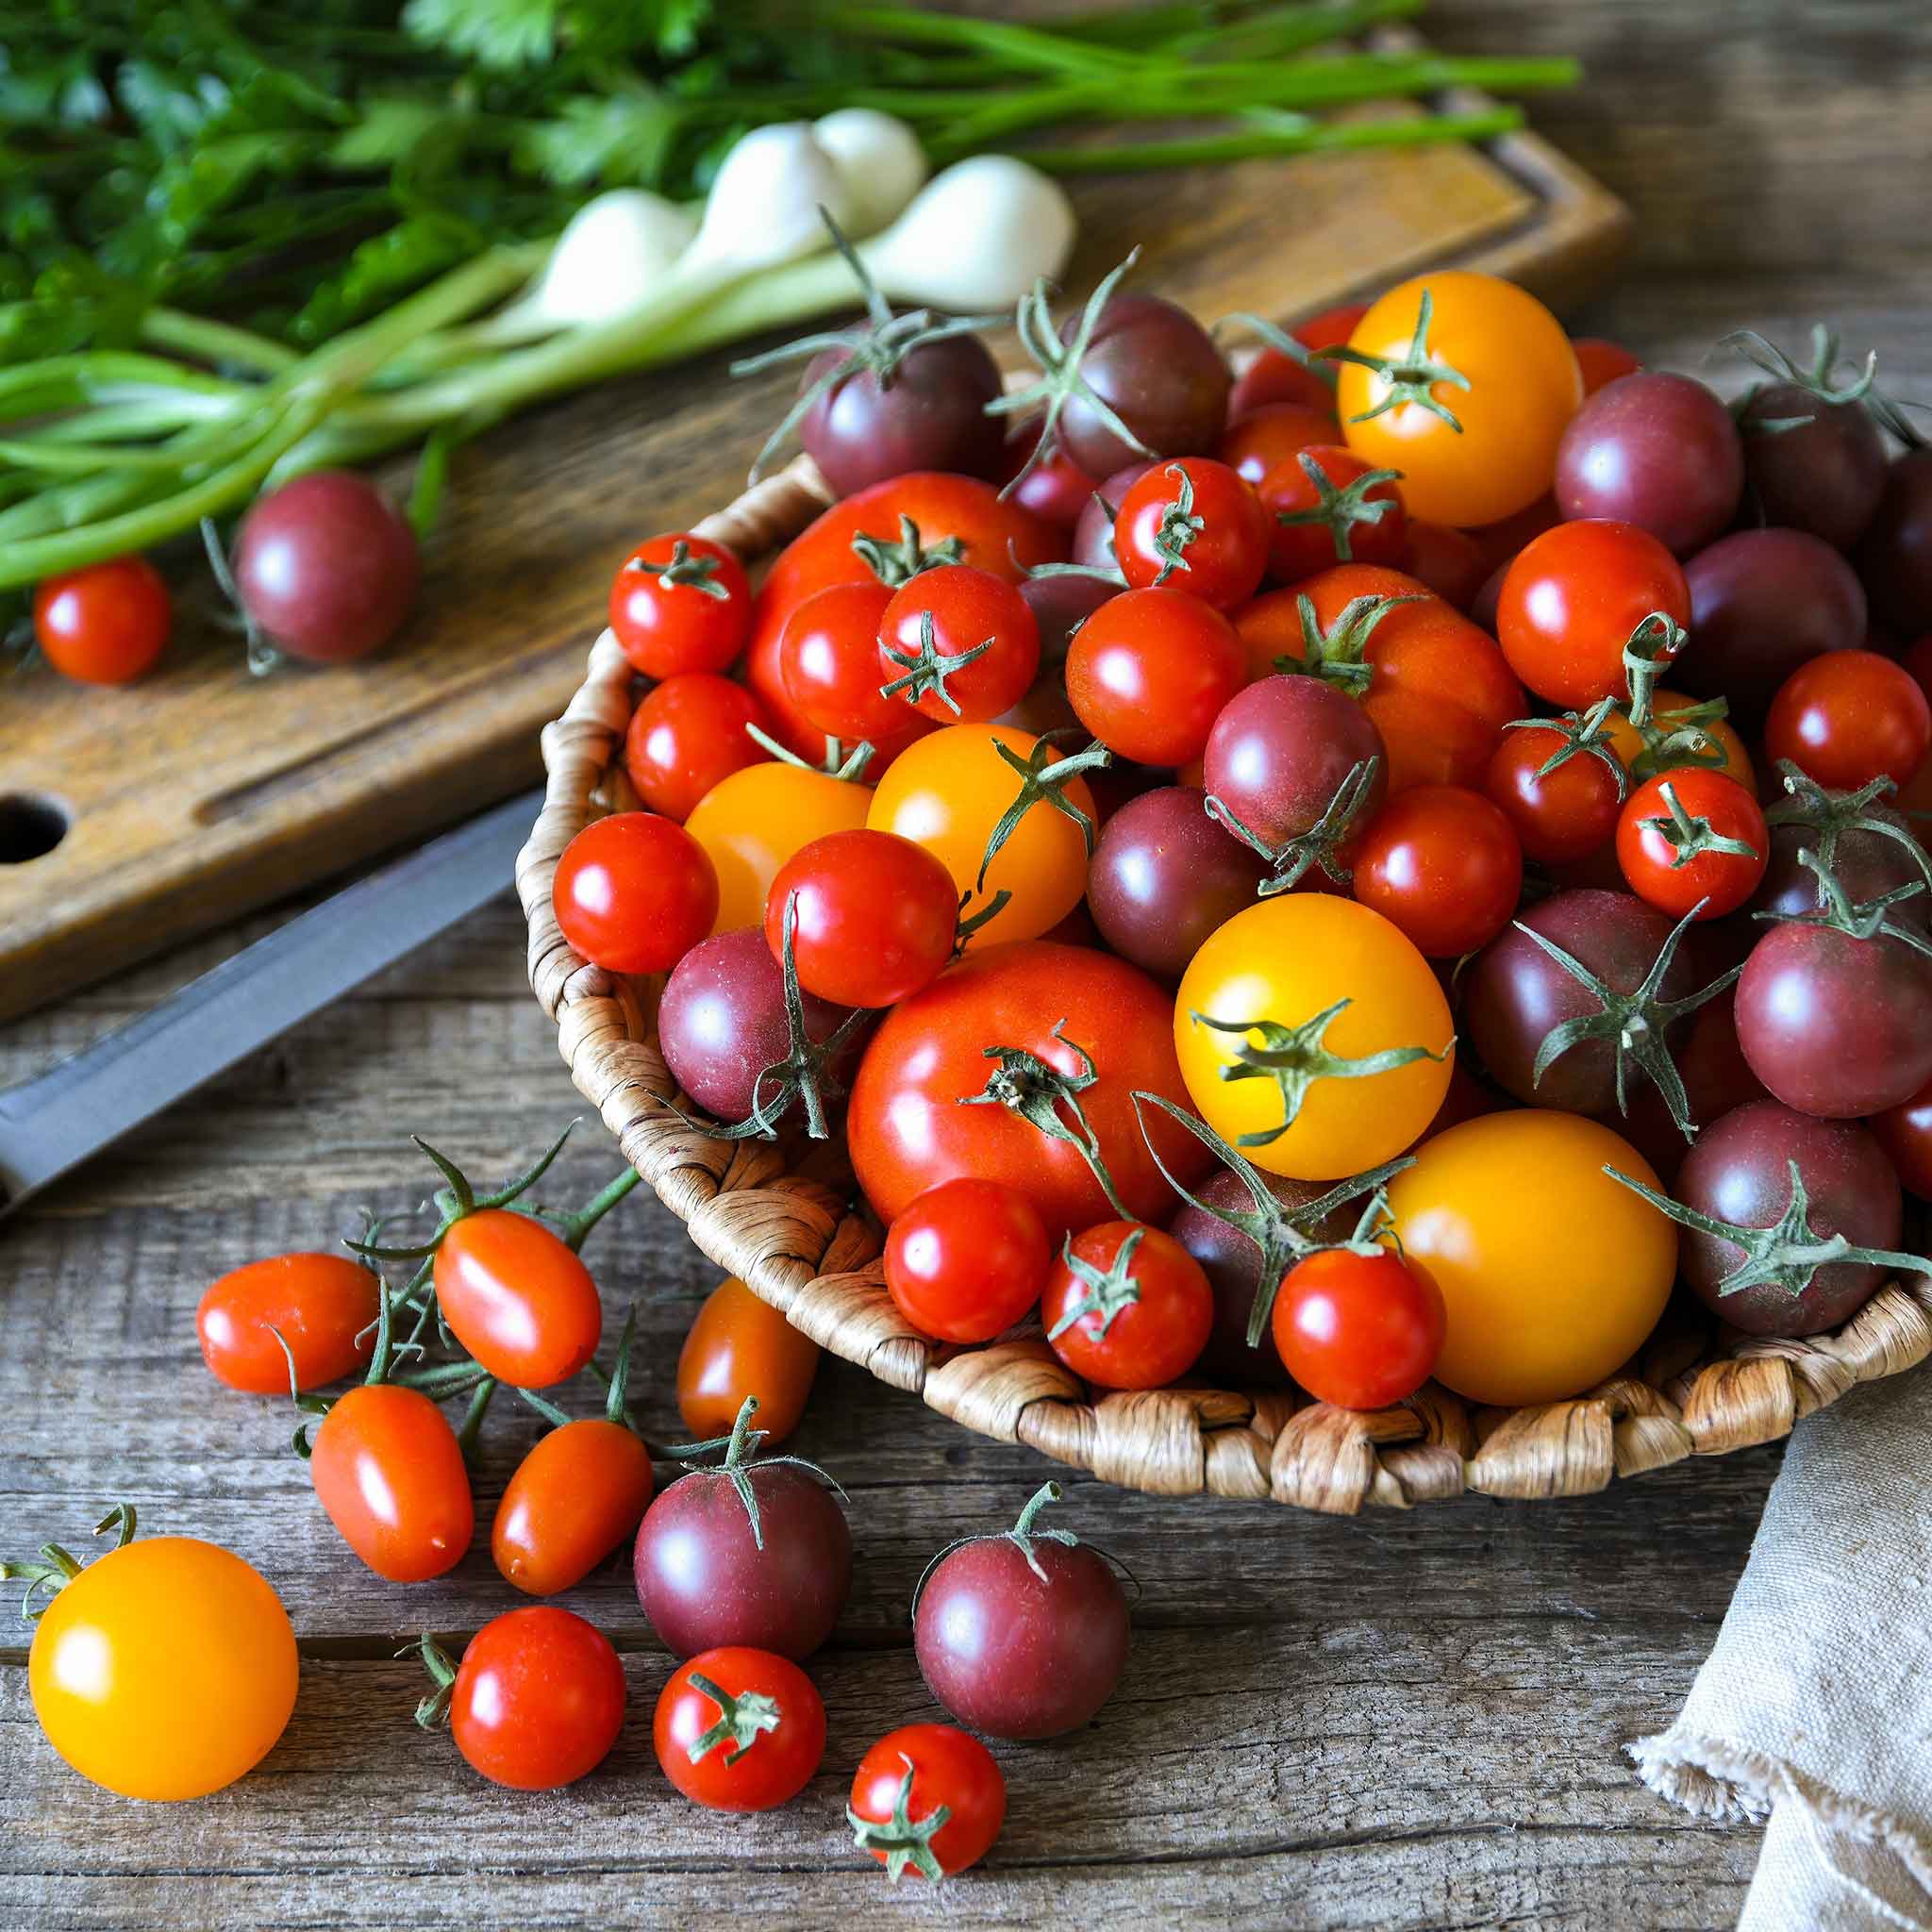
{"x": 311, "y": 1315}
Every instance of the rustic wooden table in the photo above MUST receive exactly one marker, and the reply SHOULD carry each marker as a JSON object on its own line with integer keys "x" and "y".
{"x": 1404, "y": 1721}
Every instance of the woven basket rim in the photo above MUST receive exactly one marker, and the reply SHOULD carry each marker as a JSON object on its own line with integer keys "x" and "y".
{"x": 790, "y": 1233}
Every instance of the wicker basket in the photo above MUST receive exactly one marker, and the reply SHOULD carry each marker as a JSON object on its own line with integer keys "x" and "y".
{"x": 791, "y": 1232}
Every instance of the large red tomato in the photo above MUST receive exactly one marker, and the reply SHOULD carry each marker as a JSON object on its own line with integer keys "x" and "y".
{"x": 908, "y": 1131}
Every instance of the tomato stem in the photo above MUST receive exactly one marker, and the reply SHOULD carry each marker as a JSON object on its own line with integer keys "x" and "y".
{"x": 1689, "y": 836}
{"x": 1108, "y": 1291}
{"x": 1409, "y": 379}
{"x": 1831, "y": 814}
{"x": 473, "y": 1417}
{"x": 685, "y": 570}
{"x": 742, "y": 1720}
{"x": 1043, "y": 781}
{"x": 1340, "y": 654}
{"x": 56, "y": 1567}
{"x": 902, "y": 1840}
{"x": 839, "y": 762}
{"x": 1320, "y": 844}
{"x": 1339, "y": 511}
{"x": 1178, "y": 526}
{"x": 741, "y": 1456}
{"x": 928, "y": 668}
{"x": 1870, "y": 920}
{"x": 432, "y": 1711}
{"x": 1647, "y": 653}
{"x": 1582, "y": 732}
{"x": 1281, "y": 343}
{"x": 897, "y": 563}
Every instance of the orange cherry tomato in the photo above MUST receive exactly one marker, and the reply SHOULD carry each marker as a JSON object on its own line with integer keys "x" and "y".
{"x": 581, "y": 1492}
{"x": 517, "y": 1298}
{"x": 1628, "y": 742}
{"x": 389, "y": 1471}
{"x": 322, "y": 1306}
{"x": 751, "y": 823}
{"x": 739, "y": 1347}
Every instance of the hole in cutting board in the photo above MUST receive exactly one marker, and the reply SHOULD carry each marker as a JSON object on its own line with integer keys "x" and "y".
{"x": 30, "y": 827}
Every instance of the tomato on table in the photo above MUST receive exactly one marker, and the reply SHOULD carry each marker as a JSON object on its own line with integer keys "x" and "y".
{"x": 680, "y": 603}
{"x": 1148, "y": 672}
{"x": 1358, "y": 1329}
{"x": 1196, "y": 525}
{"x": 516, "y": 1296}
{"x": 105, "y": 624}
{"x": 1849, "y": 717}
{"x": 1126, "y": 1306}
{"x": 574, "y": 1498}
{"x": 738, "y": 1346}
{"x": 324, "y": 1306}
{"x": 1443, "y": 865}
{"x": 958, "y": 645}
{"x": 967, "y": 1260}
{"x": 1692, "y": 838}
{"x": 633, "y": 893}
{"x": 690, "y": 733}
{"x": 906, "y": 1780}
{"x": 390, "y": 1473}
{"x": 750, "y": 824}
{"x": 738, "y": 1729}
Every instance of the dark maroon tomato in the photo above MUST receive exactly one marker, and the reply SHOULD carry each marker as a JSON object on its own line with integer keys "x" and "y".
{"x": 326, "y": 567}
{"x": 1906, "y": 1133}
{"x": 706, "y": 1576}
{"x": 1061, "y": 605}
{"x": 720, "y": 1023}
{"x": 1281, "y": 750}
{"x": 1717, "y": 1078}
{"x": 1161, "y": 374}
{"x": 1093, "y": 532}
{"x": 1515, "y": 994}
{"x": 1164, "y": 875}
{"x": 1894, "y": 556}
{"x": 1763, "y": 601}
{"x": 1021, "y": 1636}
{"x": 1867, "y": 863}
{"x": 1740, "y": 1172}
{"x": 1824, "y": 476}
{"x": 1658, "y": 451}
{"x": 1057, "y": 490}
{"x": 930, "y": 416}
{"x": 1833, "y": 1025}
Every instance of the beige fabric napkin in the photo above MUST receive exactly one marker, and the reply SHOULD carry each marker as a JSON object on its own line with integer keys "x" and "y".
{"x": 1814, "y": 1709}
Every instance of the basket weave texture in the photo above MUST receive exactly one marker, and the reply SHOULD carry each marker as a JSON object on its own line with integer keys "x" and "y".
{"x": 780, "y": 1216}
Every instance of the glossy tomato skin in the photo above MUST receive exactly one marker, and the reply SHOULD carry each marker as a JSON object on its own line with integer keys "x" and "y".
{"x": 1259, "y": 442}
{"x": 1561, "y": 816}
{"x": 1491, "y": 1209}
{"x": 165, "y": 1670}
{"x": 1150, "y": 1340}
{"x": 388, "y": 1470}
{"x": 1450, "y": 562}
{"x": 1281, "y": 749}
{"x": 1158, "y": 371}
{"x": 1444, "y": 866}
{"x": 1740, "y": 1172}
{"x": 1850, "y": 717}
{"x": 775, "y": 1766}
{"x": 107, "y": 624}
{"x": 828, "y": 657}
{"x": 703, "y": 1579}
{"x": 538, "y": 1700}
{"x": 967, "y": 1260}
{"x": 1905, "y": 1132}
{"x": 969, "y": 610}
{"x": 1524, "y": 388}
{"x": 690, "y": 733}
{"x": 666, "y": 628}
{"x": 1571, "y": 601}
{"x": 322, "y": 1306}
{"x": 930, "y": 416}
{"x": 633, "y": 893}
{"x": 1093, "y": 533}
{"x": 1150, "y": 670}
{"x": 1660, "y": 876}
{"x": 1822, "y": 471}
{"x": 1301, "y": 543}
{"x": 1223, "y": 560}
{"x": 1056, "y": 489}
{"x": 907, "y": 1132}
{"x": 1360, "y": 1331}
{"x": 1287, "y": 959}
{"x": 751, "y": 823}
{"x": 739, "y": 1347}
{"x": 1017, "y": 1653}
{"x": 517, "y": 1298}
{"x": 577, "y": 1495}
{"x": 946, "y": 1767}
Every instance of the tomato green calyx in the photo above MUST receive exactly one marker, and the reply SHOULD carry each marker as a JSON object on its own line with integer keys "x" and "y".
{"x": 1281, "y": 343}
{"x": 263, "y": 653}
{"x": 1647, "y": 653}
{"x": 742, "y": 1721}
{"x": 1409, "y": 379}
{"x": 1295, "y": 1059}
{"x": 876, "y": 348}
{"x": 1109, "y": 1290}
{"x": 896, "y": 564}
{"x": 1043, "y": 781}
{"x": 56, "y": 1567}
{"x": 1820, "y": 380}
{"x": 1321, "y": 845}
{"x": 1340, "y": 510}
{"x": 1178, "y": 526}
{"x": 1637, "y": 1024}
{"x": 928, "y": 668}
{"x": 1374, "y": 1232}
{"x": 1679, "y": 740}
{"x": 1060, "y": 377}
{"x": 688, "y": 569}
{"x": 1871, "y": 920}
{"x": 1281, "y": 1236}
{"x": 969, "y": 922}
{"x": 1044, "y": 1097}
{"x": 1024, "y": 1535}
{"x": 1340, "y": 654}
{"x": 1584, "y": 733}
{"x": 432, "y": 1711}
{"x": 457, "y": 1198}
{"x": 903, "y": 1840}
{"x": 839, "y": 762}
{"x": 1831, "y": 814}
{"x": 740, "y": 1450}
{"x": 1689, "y": 836}
{"x": 1787, "y": 1254}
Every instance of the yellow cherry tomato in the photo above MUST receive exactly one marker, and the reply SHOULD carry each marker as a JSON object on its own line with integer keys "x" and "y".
{"x": 1518, "y": 386}
{"x": 1268, "y": 977}
{"x": 753, "y": 821}
{"x": 1553, "y": 1274}
{"x": 1625, "y": 742}
{"x": 165, "y": 1670}
{"x": 948, "y": 791}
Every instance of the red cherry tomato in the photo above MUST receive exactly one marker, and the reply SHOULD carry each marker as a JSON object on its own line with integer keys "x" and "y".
{"x": 1324, "y": 510}
{"x": 967, "y": 1260}
{"x": 537, "y": 1699}
{"x": 580, "y": 1491}
{"x": 1148, "y": 672}
{"x": 1572, "y": 597}
{"x": 1261, "y": 440}
{"x": 1361, "y": 1331}
{"x": 1056, "y": 489}
{"x": 1560, "y": 816}
{"x": 1602, "y": 361}
{"x": 1692, "y": 835}
{"x": 386, "y": 1467}
{"x": 687, "y": 734}
{"x": 739, "y": 1729}
{"x": 829, "y": 659}
{"x": 633, "y": 893}
{"x": 1195, "y": 524}
{"x": 960, "y": 613}
{"x": 1274, "y": 376}
{"x": 1849, "y": 717}
{"x": 681, "y": 602}
{"x": 906, "y": 1779}
{"x": 105, "y": 624}
{"x": 517, "y": 1298}
{"x": 322, "y": 1306}
{"x": 1906, "y": 1133}
{"x": 1126, "y": 1306}
{"x": 1444, "y": 865}
{"x": 874, "y": 916}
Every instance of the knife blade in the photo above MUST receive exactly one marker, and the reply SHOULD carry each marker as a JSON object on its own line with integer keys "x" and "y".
{"x": 52, "y": 1121}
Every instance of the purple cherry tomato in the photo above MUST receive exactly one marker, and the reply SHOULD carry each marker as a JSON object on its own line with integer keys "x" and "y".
{"x": 1280, "y": 750}
{"x": 931, "y": 416}
{"x": 1159, "y": 372}
{"x": 1823, "y": 476}
{"x": 1093, "y": 532}
{"x": 1894, "y": 556}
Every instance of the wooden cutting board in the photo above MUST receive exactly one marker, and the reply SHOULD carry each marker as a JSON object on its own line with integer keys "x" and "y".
{"x": 161, "y": 809}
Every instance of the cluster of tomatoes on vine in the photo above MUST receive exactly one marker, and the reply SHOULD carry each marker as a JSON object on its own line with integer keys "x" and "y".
{"x": 1170, "y": 805}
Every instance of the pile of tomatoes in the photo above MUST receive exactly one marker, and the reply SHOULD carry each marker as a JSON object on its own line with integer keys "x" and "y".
{"x": 1311, "y": 875}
